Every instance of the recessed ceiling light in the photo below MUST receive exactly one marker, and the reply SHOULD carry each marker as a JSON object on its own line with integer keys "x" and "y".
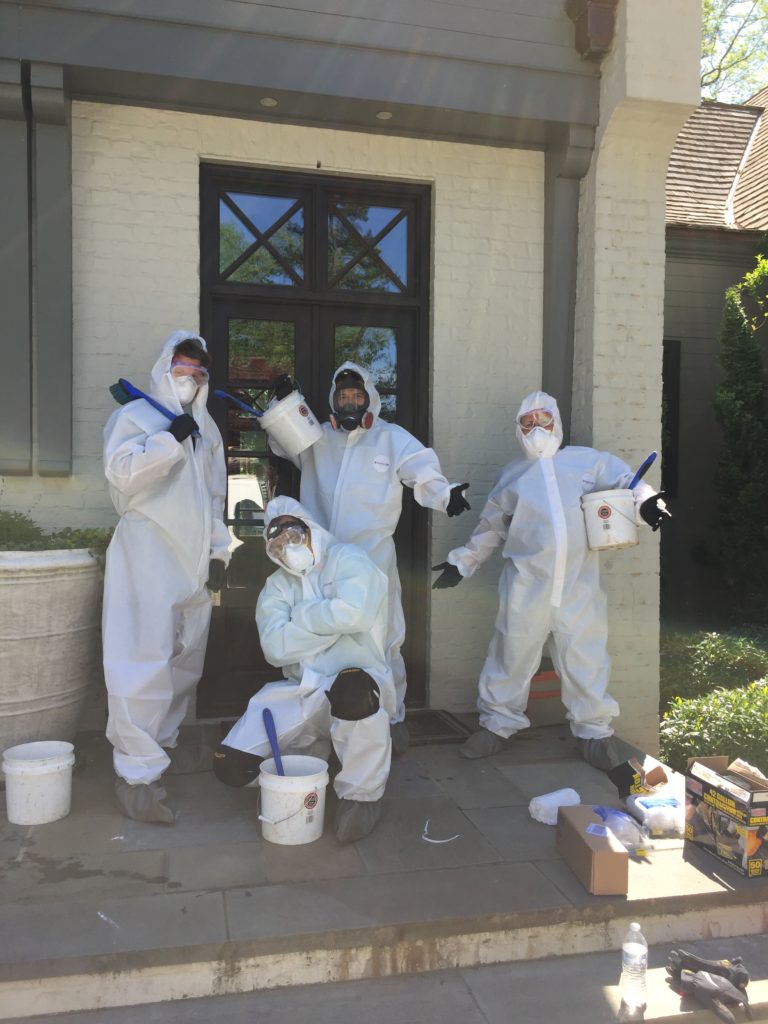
{"x": 384, "y": 115}
{"x": 268, "y": 101}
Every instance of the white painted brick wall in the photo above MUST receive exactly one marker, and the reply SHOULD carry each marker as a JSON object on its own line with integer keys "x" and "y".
{"x": 136, "y": 278}
{"x": 645, "y": 99}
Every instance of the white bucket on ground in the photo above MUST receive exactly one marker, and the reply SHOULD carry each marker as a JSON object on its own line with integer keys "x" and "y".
{"x": 38, "y": 781}
{"x": 610, "y": 519}
{"x": 293, "y": 805}
{"x": 292, "y": 424}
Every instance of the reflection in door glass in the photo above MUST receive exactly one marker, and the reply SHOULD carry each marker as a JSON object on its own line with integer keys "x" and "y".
{"x": 261, "y": 239}
{"x": 260, "y": 350}
{"x": 251, "y": 482}
{"x": 388, "y": 408}
{"x": 243, "y": 431}
{"x": 367, "y": 247}
{"x": 374, "y": 348}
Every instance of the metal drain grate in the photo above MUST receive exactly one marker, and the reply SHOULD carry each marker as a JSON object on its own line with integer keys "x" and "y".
{"x": 427, "y": 725}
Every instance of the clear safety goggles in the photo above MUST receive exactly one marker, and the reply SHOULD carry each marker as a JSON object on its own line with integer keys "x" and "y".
{"x": 536, "y": 418}
{"x": 198, "y": 373}
{"x": 280, "y": 535}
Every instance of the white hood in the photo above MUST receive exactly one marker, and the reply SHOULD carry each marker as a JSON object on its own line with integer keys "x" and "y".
{"x": 540, "y": 400}
{"x": 320, "y": 539}
{"x": 374, "y": 401}
{"x": 161, "y": 383}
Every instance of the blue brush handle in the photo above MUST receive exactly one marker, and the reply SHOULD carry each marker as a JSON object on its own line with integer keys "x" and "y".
{"x": 127, "y": 386}
{"x": 243, "y": 406}
{"x": 269, "y": 725}
{"x": 642, "y": 471}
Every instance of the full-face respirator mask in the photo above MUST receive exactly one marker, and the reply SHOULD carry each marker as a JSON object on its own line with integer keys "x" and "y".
{"x": 350, "y": 403}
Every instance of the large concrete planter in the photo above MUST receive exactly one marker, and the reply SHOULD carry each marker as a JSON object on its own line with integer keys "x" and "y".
{"x": 49, "y": 642}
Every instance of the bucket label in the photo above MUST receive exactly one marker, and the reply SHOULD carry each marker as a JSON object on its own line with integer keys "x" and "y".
{"x": 310, "y": 801}
{"x": 604, "y": 512}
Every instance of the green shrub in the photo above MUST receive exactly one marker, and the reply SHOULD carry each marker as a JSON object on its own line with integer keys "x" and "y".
{"x": 741, "y": 478}
{"x": 694, "y": 664}
{"x": 20, "y": 533}
{"x": 730, "y": 722}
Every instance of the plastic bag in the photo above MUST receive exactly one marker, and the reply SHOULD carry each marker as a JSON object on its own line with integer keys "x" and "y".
{"x": 632, "y": 836}
{"x": 659, "y": 815}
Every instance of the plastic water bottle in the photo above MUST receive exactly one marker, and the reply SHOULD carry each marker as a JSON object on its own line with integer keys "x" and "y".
{"x": 634, "y": 966}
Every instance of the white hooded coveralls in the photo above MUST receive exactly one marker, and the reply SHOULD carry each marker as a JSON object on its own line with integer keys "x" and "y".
{"x": 550, "y": 583}
{"x": 170, "y": 498}
{"x": 313, "y": 625}
{"x": 352, "y": 483}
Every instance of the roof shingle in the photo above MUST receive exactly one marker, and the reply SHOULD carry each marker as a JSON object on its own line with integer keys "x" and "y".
{"x": 704, "y": 164}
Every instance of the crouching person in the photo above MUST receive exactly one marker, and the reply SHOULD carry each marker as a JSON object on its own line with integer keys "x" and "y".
{"x": 322, "y": 618}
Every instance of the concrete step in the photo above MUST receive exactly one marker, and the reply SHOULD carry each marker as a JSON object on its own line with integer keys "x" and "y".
{"x": 160, "y": 974}
{"x": 580, "y": 989}
{"x": 99, "y": 911}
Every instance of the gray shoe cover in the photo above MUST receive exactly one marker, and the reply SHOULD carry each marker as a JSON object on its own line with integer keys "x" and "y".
{"x": 401, "y": 738}
{"x": 484, "y": 743}
{"x": 600, "y": 753}
{"x": 355, "y": 819}
{"x": 144, "y": 802}
{"x": 189, "y": 760}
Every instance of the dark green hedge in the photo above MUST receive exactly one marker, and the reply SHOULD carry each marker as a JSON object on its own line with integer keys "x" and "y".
{"x": 729, "y": 722}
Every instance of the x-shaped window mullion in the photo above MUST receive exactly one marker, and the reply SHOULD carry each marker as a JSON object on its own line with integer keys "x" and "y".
{"x": 368, "y": 248}
{"x": 262, "y": 239}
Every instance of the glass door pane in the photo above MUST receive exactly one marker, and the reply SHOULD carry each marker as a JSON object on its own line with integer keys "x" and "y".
{"x": 374, "y": 348}
{"x": 383, "y": 341}
{"x": 252, "y": 346}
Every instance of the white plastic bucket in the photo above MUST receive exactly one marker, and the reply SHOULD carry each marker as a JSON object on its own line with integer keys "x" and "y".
{"x": 610, "y": 519}
{"x": 292, "y": 424}
{"x": 38, "y": 781}
{"x": 293, "y": 805}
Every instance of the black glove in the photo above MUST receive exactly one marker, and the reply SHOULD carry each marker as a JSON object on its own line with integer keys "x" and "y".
{"x": 714, "y": 992}
{"x": 182, "y": 427}
{"x": 451, "y": 577}
{"x": 654, "y": 513}
{"x": 283, "y": 386}
{"x": 458, "y": 503}
{"x": 734, "y": 970}
{"x": 217, "y": 573}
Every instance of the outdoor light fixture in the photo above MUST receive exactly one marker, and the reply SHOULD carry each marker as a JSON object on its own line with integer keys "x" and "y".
{"x": 268, "y": 101}
{"x": 384, "y": 115}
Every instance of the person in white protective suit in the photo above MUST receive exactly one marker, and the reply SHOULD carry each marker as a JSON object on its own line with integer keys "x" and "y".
{"x": 549, "y": 586}
{"x": 352, "y": 483}
{"x": 322, "y": 619}
{"x": 167, "y": 481}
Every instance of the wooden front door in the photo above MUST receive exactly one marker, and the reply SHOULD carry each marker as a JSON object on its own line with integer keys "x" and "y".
{"x": 300, "y": 273}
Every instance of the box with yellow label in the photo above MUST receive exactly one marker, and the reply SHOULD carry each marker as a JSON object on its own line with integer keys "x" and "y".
{"x": 726, "y": 813}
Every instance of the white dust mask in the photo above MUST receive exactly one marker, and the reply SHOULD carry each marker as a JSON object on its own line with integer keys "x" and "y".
{"x": 186, "y": 389}
{"x": 540, "y": 443}
{"x": 298, "y": 557}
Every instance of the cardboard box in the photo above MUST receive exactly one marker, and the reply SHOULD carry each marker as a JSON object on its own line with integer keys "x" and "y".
{"x": 593, "y": 853}
{"x": 726, "y": 813}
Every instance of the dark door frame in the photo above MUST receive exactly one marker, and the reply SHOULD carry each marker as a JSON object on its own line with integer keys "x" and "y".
{"x": 317, "y": 192}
